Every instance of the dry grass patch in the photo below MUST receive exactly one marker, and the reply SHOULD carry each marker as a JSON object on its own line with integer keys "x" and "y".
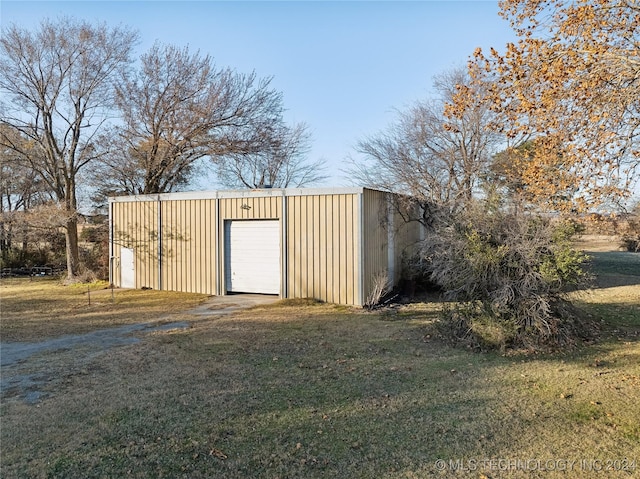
{"x": 44, "y": 308}
{"x": 316, "y": 390}
{"x": 599, "y": 243}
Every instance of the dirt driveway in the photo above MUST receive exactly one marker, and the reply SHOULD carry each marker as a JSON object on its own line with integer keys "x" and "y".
{"x": 27, "y": 367}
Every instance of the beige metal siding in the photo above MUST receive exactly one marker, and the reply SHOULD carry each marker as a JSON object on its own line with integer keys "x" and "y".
{"x": 192, "y": 247}
{"x": 322, "y": 239}
{"x": 333, "y": 242}
{"x": 136, "y": 227}
{"x": 261, "y": 208}
{"x": 375, "y": 244}
{"x": 383, "y": 222}
{"x": 188, "y": 246}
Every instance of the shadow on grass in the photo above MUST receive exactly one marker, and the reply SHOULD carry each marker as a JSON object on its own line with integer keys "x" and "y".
{"x": 614, "y": 268}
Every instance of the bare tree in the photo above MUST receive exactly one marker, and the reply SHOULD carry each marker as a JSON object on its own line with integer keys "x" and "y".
{"x": 432, "y": 153}
{"x": 282, "y": 163}
{"x": 20, "y": 186}
{"x": 179, "y": 108}
{"x": 20, "y": 189}
{"x": 58, "y": 83}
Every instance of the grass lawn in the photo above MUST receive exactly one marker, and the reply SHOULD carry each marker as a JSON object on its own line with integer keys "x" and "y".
{"x": 42, "y": 308}
{"x": 299, "y": 389}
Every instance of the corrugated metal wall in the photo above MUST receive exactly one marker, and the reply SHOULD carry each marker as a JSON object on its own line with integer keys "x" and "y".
{"x": 384, "y": 227}
{"x": 322, "y": 247}
{"x": 251, "y": 208}
{"x": 189, "y": 261}
{"x": 375, "y": 241}
{"x": 333, "y": 244}
{"x": 137, "y": 229}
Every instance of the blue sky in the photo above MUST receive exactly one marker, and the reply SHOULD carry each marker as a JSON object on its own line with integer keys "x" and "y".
{"x": 343, "y": 67}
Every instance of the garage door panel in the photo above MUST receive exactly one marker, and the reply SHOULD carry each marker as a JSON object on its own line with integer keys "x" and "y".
{"x": 252, "y": 256}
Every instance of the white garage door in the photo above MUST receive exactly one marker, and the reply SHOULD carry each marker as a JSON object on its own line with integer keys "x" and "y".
{"x": 252, "y": 256}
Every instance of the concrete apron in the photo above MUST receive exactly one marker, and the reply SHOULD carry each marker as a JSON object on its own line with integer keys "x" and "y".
{"x": 230, "y": 303}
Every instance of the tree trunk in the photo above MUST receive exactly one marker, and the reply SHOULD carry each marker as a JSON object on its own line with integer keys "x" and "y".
{"x": 5, "y": 241}
{"x": 71, "y": 229}
{"x": 71, "y": 240}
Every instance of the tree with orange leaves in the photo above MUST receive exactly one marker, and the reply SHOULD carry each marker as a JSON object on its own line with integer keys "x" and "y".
{"x": 572, "y": 84}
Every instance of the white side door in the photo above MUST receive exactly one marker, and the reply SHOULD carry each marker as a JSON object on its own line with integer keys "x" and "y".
{"x": 127, "y": 268}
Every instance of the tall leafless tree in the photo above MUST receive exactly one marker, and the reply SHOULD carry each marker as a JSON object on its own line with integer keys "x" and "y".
{"x": 178, "y": 108}
{"x": 430, "y": 153}
{"x": 57, "y": 81}
{"x": 282, "y": 163}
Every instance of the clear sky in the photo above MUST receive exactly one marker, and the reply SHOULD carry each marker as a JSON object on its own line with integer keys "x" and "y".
{"x": 343, "y": 67}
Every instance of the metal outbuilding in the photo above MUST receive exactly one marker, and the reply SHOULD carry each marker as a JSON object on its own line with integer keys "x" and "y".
{"x": 327, "y": 244}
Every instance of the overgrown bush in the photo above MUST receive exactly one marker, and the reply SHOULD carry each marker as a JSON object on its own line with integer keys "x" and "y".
{"x": 631, "y": 243}
{"x": 39, "y": 248}
{"x": 507, "y": 275}
{"x": 631, "y": 235}
{"x": 94, "y": 252}
{"x": 380, "y": 287}
{"x": 415, "y": 275}
{"x": 94, "y": 260}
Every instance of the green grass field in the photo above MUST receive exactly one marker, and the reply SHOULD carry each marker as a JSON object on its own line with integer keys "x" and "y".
{"x": 300, "y": 389}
